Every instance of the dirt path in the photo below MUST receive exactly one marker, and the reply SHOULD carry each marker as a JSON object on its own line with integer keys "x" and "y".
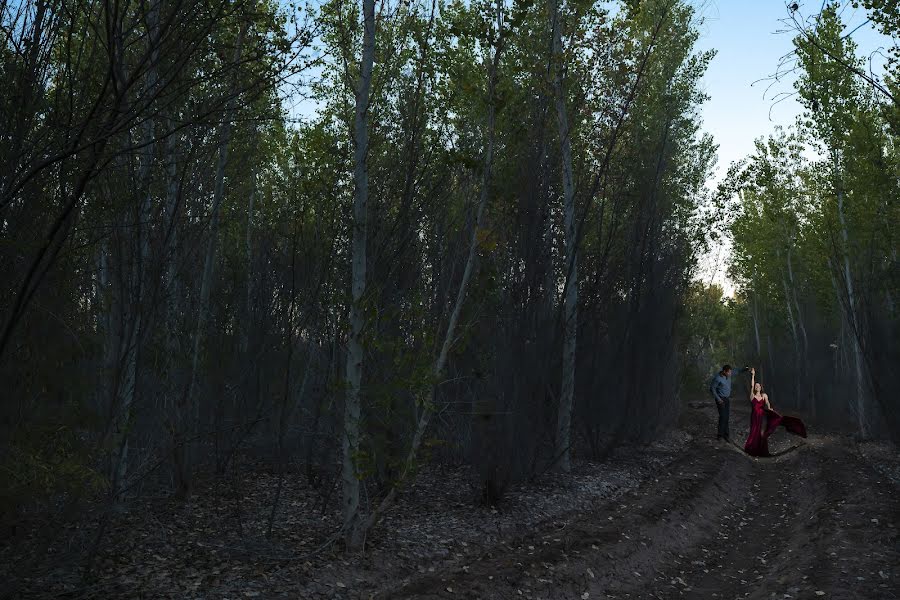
{"x": 691, "y": 518}
{"x": 813, "y": 523}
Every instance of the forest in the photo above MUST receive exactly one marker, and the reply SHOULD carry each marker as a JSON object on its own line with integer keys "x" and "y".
{"x": 273, "y": 270}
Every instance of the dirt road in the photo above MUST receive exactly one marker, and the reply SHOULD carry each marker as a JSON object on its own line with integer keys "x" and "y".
{"x": 817, "y": 522}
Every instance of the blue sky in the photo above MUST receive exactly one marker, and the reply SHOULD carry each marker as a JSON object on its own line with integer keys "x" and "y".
{"x": 751, "y": 39}
{"x": 746, "y": 35}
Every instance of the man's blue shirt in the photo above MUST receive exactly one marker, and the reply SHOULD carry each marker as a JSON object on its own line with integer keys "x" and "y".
{"x": 721, "y": 385}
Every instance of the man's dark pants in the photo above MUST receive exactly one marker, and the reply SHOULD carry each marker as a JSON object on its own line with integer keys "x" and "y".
{"x": 724, "y": 409}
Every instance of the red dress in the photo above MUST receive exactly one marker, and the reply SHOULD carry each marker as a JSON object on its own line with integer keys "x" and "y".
{"x": 758, "y": 440}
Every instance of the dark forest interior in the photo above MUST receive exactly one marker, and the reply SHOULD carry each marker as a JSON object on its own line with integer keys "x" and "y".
{"x": 281, "y": 272}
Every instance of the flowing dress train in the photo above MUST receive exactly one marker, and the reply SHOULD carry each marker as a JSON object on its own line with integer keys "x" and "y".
{"x": 758, "y": 440}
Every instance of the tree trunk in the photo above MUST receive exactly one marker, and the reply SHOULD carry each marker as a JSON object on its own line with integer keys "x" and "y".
{"x": 841, "y": 361}
{"x": 797, "y": 356}
{"x": 190, "y": 406}
{"x": 247, "y": 302}
{"x": 851, "y": 315}
{"x": 562, "y": 450}
{"x": 352, "y": 527}
{"x": 771, "y": 376}
{"x": 800, "y": 323}
{"x": 756, "y": 327}
{"x": 450, "y": 333}
{"x": 172, "y": 294}
{"x": 140, "y": 257}
{"x": 804, "y": 356}
{"x": 170, "y": 244}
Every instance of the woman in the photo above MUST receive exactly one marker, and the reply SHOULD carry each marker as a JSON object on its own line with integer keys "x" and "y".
{"x": 758, "y": 440}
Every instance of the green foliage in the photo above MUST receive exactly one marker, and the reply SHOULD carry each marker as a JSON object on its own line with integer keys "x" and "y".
{"x": 886, "y": 15}
{"x": 814, "y": 240}
{"x": 711, "y": 328}
{"x": 280, "y": 286}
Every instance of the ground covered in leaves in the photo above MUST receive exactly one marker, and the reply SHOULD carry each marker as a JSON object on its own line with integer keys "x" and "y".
{"x": 817, "y": 521}
{"x": 685, "y": 517}
{"x": 219, "y": 543}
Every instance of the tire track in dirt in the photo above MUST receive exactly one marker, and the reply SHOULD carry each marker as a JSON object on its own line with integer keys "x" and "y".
{"x": 819, "y": 524}
{"x": 616, "y": 543}
{"x": 815, "y": 523}
{"x": 849, "y": 538}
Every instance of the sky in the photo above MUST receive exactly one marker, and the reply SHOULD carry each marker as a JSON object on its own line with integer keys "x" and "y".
{"x": 751, "y": 37}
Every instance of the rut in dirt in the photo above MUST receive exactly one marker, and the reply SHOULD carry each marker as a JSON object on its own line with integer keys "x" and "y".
{"x": 816, "y": 522}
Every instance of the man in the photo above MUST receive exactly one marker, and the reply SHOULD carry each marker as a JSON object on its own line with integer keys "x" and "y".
{"x": 721, "y": 391}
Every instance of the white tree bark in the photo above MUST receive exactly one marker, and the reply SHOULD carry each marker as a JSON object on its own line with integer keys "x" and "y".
{"x": 862, "y": 418}
{"x": 428, "y": 405}
{"x": 795, "y": 338}
{"x": 800, "y": 323}
{"x": 841, "y": 360}
{"x": 562, "y": 450}
{"x": 353, "y": 530}
{"x": 756, "y": 327}
{"x": 809, "y": 392}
